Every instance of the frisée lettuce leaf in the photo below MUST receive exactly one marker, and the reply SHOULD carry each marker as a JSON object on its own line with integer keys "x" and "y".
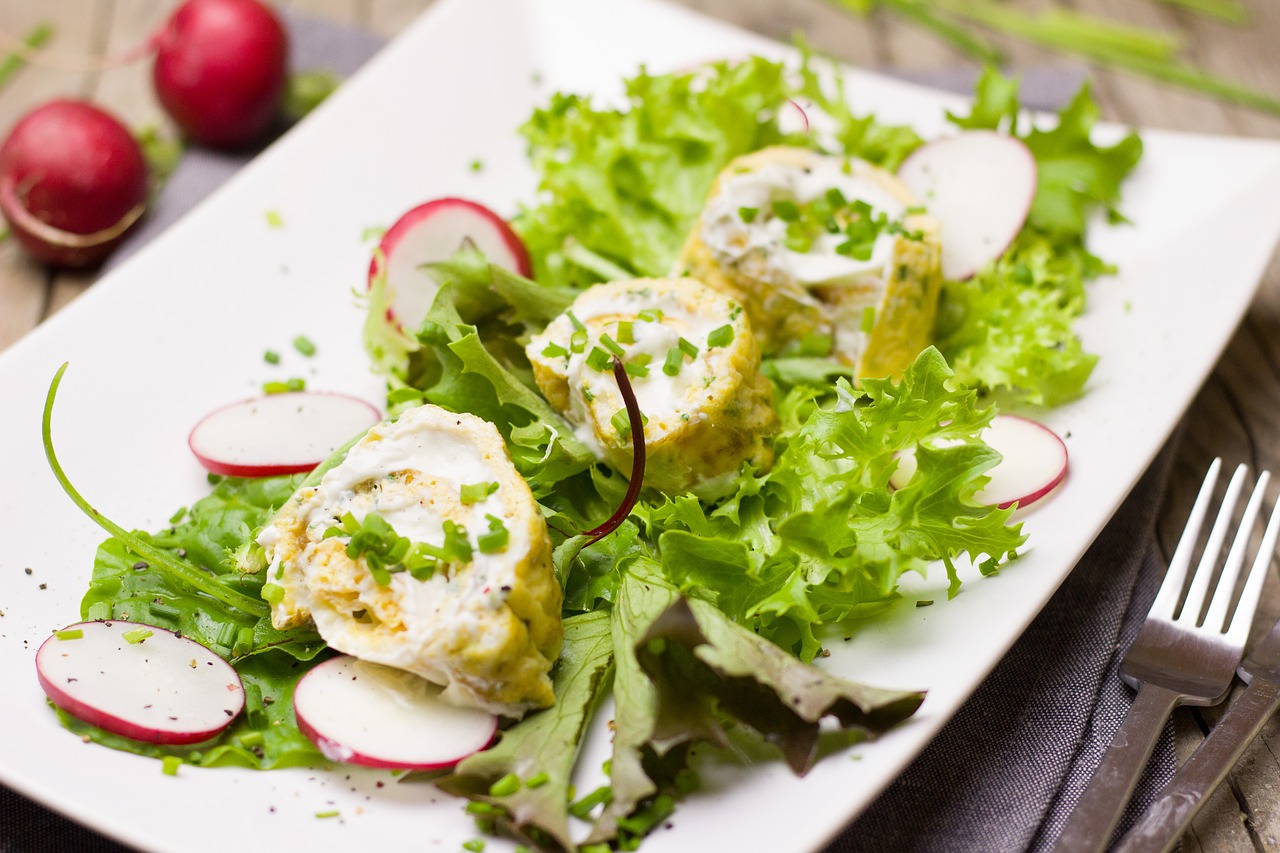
{"x": 821, "y": 535}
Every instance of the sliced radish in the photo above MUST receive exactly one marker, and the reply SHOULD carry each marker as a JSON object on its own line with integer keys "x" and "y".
{"x": 979, "y": 186}
{"x": 376, "y": 716}
{"x": 433, "y": 232}
{"x": 278, "y": 433}
{"x": 794, "y": 117}
{"x": 1034, "y": 463}
{"x": 139, "y": 681}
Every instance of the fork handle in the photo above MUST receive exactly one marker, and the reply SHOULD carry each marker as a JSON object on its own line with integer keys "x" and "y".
{"x": 1099, "y": 809}
{"x": 1168, "y": 818}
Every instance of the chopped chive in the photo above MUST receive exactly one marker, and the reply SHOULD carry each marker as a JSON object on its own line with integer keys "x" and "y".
{"x": 272, "y": 593}
{"x": 274, "y": 387}
{"x": 177, "y": 516}
{"x": 836, "y": 198}
{"x": 868, "y": 318}
{"x": 164, "y": 611}
{"x": 554, "y": 350}
{"x": 720, "y": 337}
{"x": 506, "y": 786}
{"x": 748, "y": 214}
{"x": 496, "y": 539}
{"x": 304, "y": 345}
{"x": 786, "y": 210}
{"x": 136, "y": 635}
{"x": 636, "y": 369}
{"x": 274, "y": 219}
{"x": 69, "y": 634}
{"x": 612, "y": 346}
{"x": 626, "y": 332}
{"x": 271, "y": 357}
{"x": 252, "y": 738}
{"x": 328, "y": 814}
{"x": 169, "y": 765}
{"x": 537, "y": 780}
{"x": 621, "y": 424}
{"x": 651, "y": 315}
{"x": 475, "y": 492}
{"x": 588, "y": 394}
{"x": 578, "y": 340}
{"x": 675, "y": 358}
{"x": 598, "y": 359}
{"x": 475, "y": 845}
{"x": 478, "y": 808}
{"x": 577, "y": 324}
{"x": 477, "y": 165}
{"x": 924, "y": 602}
{"x": 296, "y": 384}
{"x": 372, "y": 232}
{"x": 688, "y": 348}
{"x": 582, "y": 808}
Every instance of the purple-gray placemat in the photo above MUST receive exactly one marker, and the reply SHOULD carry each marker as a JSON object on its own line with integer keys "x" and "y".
{"x": 1005, "y": 771}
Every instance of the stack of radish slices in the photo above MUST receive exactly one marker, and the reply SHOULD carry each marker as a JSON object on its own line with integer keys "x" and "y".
{"x": 152, "y": 685}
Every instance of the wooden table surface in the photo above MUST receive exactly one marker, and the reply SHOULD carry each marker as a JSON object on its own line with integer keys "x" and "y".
{"x": 1235, "y": 415}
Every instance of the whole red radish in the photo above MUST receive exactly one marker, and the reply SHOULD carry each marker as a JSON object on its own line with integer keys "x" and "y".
{"x": 221, "y": 68}
{"x": 73, "y": 180}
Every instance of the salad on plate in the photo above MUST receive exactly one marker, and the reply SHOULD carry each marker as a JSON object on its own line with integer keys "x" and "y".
{"x": 667, "y": 434}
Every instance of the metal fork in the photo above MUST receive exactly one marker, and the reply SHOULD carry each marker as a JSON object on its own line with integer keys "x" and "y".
{"x": 1177, "y": 659}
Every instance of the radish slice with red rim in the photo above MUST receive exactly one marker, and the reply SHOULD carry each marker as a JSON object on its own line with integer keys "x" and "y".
{"x": 279, "y": 433}
{"x": 377, "y": 716}
{"x": 433, "y": 232}
{"x": 979, "y": 185}
{"x": 139, "y": 681}
{"x": 1034, "y": 462}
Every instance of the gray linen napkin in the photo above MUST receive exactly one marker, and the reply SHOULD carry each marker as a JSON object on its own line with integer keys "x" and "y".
{"x": 1003, "y": 774}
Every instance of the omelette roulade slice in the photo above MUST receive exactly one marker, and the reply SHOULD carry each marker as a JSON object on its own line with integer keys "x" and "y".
{"x": 694, "y": 364}
{"x": 424, "y": 550}
{"x": 817, "y": 246}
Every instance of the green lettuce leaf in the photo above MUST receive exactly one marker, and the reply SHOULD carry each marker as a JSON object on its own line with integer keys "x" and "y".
{"x": 821, "y": 536}
{"x": 704, "y": 666}
{"x": 1009, "y": 328}
{"x": 544, "y": 746}
{"x": 455, "y": 369}
{"x": 269, "y": 661}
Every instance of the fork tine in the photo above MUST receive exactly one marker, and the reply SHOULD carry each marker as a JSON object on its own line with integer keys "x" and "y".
{"x": 1190, "y": 613}
{"x": 1216, "y": 617}
{"x": 1171, "y": 587}
{"x": 1252, "y": 592}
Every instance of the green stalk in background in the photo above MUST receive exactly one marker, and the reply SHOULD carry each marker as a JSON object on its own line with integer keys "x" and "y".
{"x": 9, "y": 66}
{"x": 1231, "y": 11}
{"x": 1142, "y": 50}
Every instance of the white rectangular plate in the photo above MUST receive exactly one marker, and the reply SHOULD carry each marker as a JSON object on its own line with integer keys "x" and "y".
{"x": 181, "y": 328}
